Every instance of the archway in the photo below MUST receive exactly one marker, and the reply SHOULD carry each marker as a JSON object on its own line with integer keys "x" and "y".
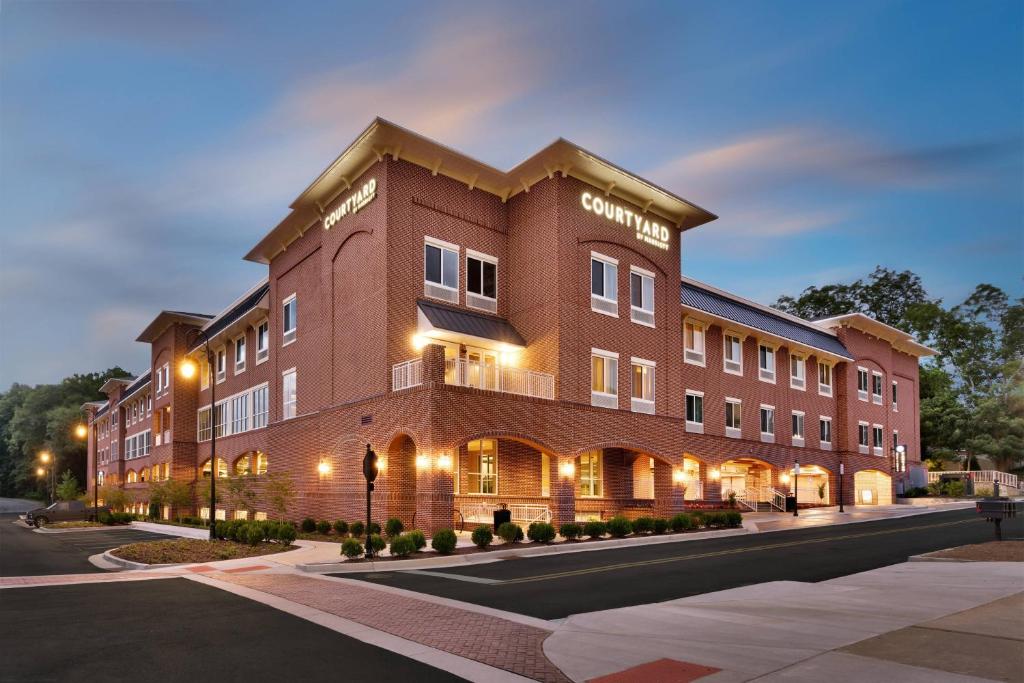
{"x": 748, "y": 478}
{"x": 401, "y": 474}
{"x": 813, "y": 486}
{"x": 691, "y": 478}
{"x": 872, "y": 487}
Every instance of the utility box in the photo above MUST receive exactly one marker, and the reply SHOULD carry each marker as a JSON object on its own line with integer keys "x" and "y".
{"x": 790, "y": 503}
{"x": 500, "y": 517}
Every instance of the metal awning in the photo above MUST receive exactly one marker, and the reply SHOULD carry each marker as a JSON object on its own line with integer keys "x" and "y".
{"x": 448, "y": 323}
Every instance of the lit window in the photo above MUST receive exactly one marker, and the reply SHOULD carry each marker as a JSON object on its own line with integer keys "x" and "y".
{"x": 862, "y": 384}
{"x": 862, "y": 437}
{"x": 797, "y": 372}
{"x": 876, "y": 439}
{"x": 261, "y": 462}
{"x": 641, "y": 296}
{"x": 481, "y": 282}
{"x": 604, "y": 381}
{"x": 695, "y": 411}
{"x": 591, "y": 481}
{"x": 732, "y": 353}
{"x": 766, "y": 363}
{"x": 260, "y": 407}
{"x": 642, "y": 395}
{"x": 798, "y": 428}
{"x": 240, "y": 354}
{"x": 767, "y": 423}
{"x": 733, "y": 410}
{"x": 604, "y": 274}
{"x": 221, "y": 365}
{"x": 824, "y": 378}
{"x": 483, "y": 466}
{"x": 222, "y": 469}
{"x": 825, "y": 431}
{"x": 289, "y": 395}
{"x": 693, "y": 342}
{"x": 242, "y": 466}
{"x": 876, "y": 388}
{"x": 289, "y": 319}
{"x": 262, "y": 341}
{"x": 895, "y": 403}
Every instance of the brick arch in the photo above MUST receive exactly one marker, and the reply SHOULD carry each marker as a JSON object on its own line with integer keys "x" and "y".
{"x": 401, "y": 474}
{"x": 509, "y": 435}
{"x": 647, "y": 259}
{"x": 360, "y": 228}
{"x": 628, "y": 445}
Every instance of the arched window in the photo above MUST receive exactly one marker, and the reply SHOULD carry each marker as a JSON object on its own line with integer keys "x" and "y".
{"x": 132, "y": 476}
{"x": 222, "y": 468}
{"x": 242, "y": 465}
{"x": 261, "y": 462}
{"x": 143, "y": 472}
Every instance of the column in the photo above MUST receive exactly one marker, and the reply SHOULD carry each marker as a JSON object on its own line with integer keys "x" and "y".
{"x": 668, "y": 489}
{"x": 712, "y": 485}
{"x": 435, "y": 491}
{"x": 563, "y": 490}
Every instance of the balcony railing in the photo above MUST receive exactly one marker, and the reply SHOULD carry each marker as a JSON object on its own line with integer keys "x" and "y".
{"x": 407, "y": 374}
{"x": 491, "y": 377}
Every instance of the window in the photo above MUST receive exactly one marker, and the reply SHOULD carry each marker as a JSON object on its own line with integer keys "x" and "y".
{"x": 798, "y": 428}
{"x": 732, "y": 353}
{"x": 641, "y": 296}
{"x": 604, "y": 382}
{"x": 604, "y": 277}
{"x": 221, "y": 365}
{"x": 766, "y": 363}
{"x": 824, "y": 378}
{"x": 695, "y": 411}
{"x": 693, "y": 342}
{"x": 220, "y": 419}
{"x": 113, "y": 451}
{"x": 591, "y": 480}
{"x": 261, "y": 462}
{"x": 441, "y": 270}
{"x": 825, "y": 431}
{"x": 260, "y": 407}
{"x": 289, "y": 319}
{"x": 289, "y": 395}
{"x": 240, "y": 414}
{"x": 876, "y": 388}
{"x": 545, "y": 475}
{"x": 481, "y": 281}
{"x": 642, "y": 395}
{"x": 483, "y": 466}
{"x": 240, "y": 354}
{"x": 768, "y": 423}
{"x": 862, "y": 437}
{"x": 797, "y": 372}
{"x": 733, "y": 409}
{"x": 149, "y": 404}
{"x": 895, "y": 403}
{"x": 204, "y": 374}
{"x": 262, "y": 341}
{"x": 862, "y": 384}
{"x": 876, "y": 439}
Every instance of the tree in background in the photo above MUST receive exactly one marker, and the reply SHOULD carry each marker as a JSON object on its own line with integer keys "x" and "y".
{"x": 114, "y": 497}
{"x": 172, "y": 492}
{"x": 280, "y": 491}
{"x": 68, "y": 489}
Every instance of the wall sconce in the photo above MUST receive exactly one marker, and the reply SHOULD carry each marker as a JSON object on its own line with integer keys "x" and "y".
{"x": 324, "y": 468}
{"x": 678, "y": 476}
{"x": 382, "y": 464}
{"x": 567, "y": 469}
{"x": 444, "y": 461}
{"x": 422, "y": 461}
{"x": 716, "y": 474}
{"x": 784, "y": 478}
{"x": 419, "y": 341}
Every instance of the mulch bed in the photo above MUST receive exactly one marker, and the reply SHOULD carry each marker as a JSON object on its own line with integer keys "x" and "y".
{"x": 73, "y": 525}
{"x": 190, "y": 550}
{"x": 993, "y": 551}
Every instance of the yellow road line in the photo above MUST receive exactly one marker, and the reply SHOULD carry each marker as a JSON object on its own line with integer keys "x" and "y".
{"x": 721, "y": 553}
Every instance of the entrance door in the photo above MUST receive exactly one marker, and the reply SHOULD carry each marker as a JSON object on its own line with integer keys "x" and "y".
{"x": 482, "y": 368}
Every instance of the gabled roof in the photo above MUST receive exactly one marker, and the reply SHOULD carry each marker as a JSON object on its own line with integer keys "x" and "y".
{"x": 382, "y": 138}
{"x": 165, "y": 319}
{"x": 731, "y": 308}
{"x": 102, "y": 410}
{"x": 900, "y": 340}
{"x": 140, "y": 383}
{"x": 455, "y": 324}
{"x": 237, "y": 310}
{"x": 114, "y": 382}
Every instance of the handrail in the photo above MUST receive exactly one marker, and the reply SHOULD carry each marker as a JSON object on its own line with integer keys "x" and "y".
{"x": 492, "y": 377}
{"x": 982, "y": 476}
{"x": 407, "y": 374}
{"x": 742, "y": 499}
{"x": 778, "y": 499}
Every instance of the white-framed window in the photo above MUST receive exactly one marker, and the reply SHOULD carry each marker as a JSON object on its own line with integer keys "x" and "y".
{"x": 591, "y": 475}
{"x": 483, "y": 466}
{"x": 862, "y": 384}
{"x": 481, "y": 281}
{"x": 733, "y": 414}
{"x": 240, "y": 414}
{"x": 876, "y": 388}
{"x": 695, "y": 411}
{"x": 113, "y": 451}
{"x": 825, "y": 432}
{"x": 877, "y": 439}
{"x": 240, "y": 354}
{"x": 824, "y": 378}
{"x": 798, "y": 428}
{"x": 797, "y": 372}
{"x": 862, "y": 437}
{"x": 642, "y": 390}
{"x": 766, "y": 362}
{"x": 289, "y": 319}
{"x": 204, "y": 373}
{"x": 260, "y": 406}
{"x": 149, "y": 404}
{"x": 222, "y": 362}
{"x": 895, "y": 401}
{"x": 262, "y": 341}
{"x": 767, "y": 423}
{"x": 441, "y": 270}
{"x": 693, "y": 342}
{"x": 732, "y": 353}
{"x": 641, "y": 296}
{"x": 204, "y": 426}
{"x": 289, "y": 395}
{"x": 220, "y": 419}
{"x": 604, "y": 378}
{"x": 604, "y": 284}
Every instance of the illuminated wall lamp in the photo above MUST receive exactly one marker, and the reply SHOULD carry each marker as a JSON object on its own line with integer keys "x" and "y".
{"x": 324, "y": 468}
{"x": 422, "y": 462}
{"x": 784, "y": 478}
{"x": 444, "y": 461}
{"x": 716, "y": 474}
{"x": 678, "y": 476}
{"x": 567, "y": 469}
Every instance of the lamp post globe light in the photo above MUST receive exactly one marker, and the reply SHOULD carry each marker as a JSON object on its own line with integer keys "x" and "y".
{"x": 81, "y": 433}
{"x": 48, "y": 463}
{"x": 189, "y": 369}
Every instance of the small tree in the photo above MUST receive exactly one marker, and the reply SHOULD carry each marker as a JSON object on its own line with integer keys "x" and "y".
{"x": 280, "y": 491}
{"x": 172, "y": 492}
{"x": 67, "y": 489}
{"x": 115, "y": 498}
{"x": 241, "y": 493}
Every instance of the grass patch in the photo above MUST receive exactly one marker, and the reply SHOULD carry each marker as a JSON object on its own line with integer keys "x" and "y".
{"x": 189, "y": 550}
{"x": 79, "y": 524}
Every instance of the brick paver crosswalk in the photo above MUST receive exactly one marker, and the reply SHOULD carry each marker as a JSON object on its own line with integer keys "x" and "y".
{"x": 481, "y": 637}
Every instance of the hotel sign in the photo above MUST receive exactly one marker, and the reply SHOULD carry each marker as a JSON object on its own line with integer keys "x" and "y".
{"x": 647, "y": 231}
{"x": 355, "y": 201}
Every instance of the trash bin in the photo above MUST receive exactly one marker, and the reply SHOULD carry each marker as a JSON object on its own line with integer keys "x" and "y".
{"x": 790, "y": 503}
{"x": 501, "y": 516}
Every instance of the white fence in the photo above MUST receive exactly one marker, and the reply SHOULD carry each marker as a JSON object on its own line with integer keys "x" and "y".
{"x": 980, "y": 477}
{"x": 407, "y": 374}
{"x": 466, "y": 373}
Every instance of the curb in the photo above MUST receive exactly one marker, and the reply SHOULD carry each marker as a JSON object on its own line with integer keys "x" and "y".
{"x": 44, "y": 530}
{"x": 108, "y": 557}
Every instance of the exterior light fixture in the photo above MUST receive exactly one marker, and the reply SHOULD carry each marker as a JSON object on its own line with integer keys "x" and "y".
{"x": 444, "y": 461}
{"x": 567, "y": 469}
{"x": 324, "y": 468}
{"x": 40, "y": 471}
{"x": 44, "y": 456}
{"x": 81, "y": 431}
{"x": 419, "y": 341}
{"x": 716, "y": 474}
{"x": 422, "y": 462}
{"x": 784, "y": 478}
{"x": 678, "y": 476}
{"x": 188, "y": 368}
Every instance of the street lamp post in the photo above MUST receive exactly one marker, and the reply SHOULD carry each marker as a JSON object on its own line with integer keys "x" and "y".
{"x": 47, "y": 459}
{"x": 796, "y": 488}
{"x": 81, "y": 432}
{"x": 842, "y": 471}
{"x": 188, "y": 370}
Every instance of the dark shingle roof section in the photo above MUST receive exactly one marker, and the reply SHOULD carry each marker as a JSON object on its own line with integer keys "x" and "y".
{"x": 139, "y": 383}
{"x": 102, "y": 411}
{"x": 474, "y": 324}
{"x": 711, "y": 302}
{"x": 237, "y": 311}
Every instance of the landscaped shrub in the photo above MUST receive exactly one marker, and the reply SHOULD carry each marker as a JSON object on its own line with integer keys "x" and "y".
{"x": 308, "y": 525}
{"x": 394, "y": 527}
{"x": 105, "y": 518}
{"x": 733, "y": 518}
{"x": 286, "y": 534}
{"x": 254, "y": 534}
{"x": 418, "y": 539}
{"x": 954, "y": 488}
{"x": 715, "y": 520}
{"x": 341, "y": 526}
{"x": 660, "y": 525}
{"x": 643, "y": 525}
{"x": 681, "y": 522}
{"x": 269, "y": 529}
{"x": 376, "y": 543}
{"x": 444, "y": 541}
{"x": 374, "y": 528}
{"x": 570, "y": 531}
{"x": 154, "y": 511}
{"x": 402, "y": 546}
{"x": 323, "y": 527}
{"x": 351, "y": 548}
{"x": 595, "y": 529}
{"x": 510, "y": 532}
{"x": 357, "y": 528}
{"x": 540, "y": 532}
{"x": 619, "y": 526}
{"x": 935, "y": 488}
{"x": 482, "y": 536}
{"x": 698, "y": 519}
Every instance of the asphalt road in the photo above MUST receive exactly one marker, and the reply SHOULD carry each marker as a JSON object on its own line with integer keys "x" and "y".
{"x": 177, "y": 630}
{"x": 23, "y": 552}
{"x": 556, "y": 586}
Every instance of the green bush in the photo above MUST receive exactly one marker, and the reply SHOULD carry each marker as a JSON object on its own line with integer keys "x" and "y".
{"x": 254, "y": 534}
{"x": 351, "y": 548}
{"x": 715, "y": 520}
{"x": 323, "y": 527}
{"x": 308, "y": 525}
{"x": 660, "y": 525}
{"x": 510, "y": 532}
{"x": 954, "y": 488}
{"x": 376, "y": 543}
{"x": 402, "y": 546}
{"x": 570, "y": 531}
{"x": 418, "y": 539}
{"x": 594, "y": 529}
{"x": 733, "y": 518}
{"x": 374, "y": 528}
{"x": 619, "y": 526}
{"x": 681, "y": 522}
{"x": 482, "y": 536}
{"x": 444, "y": 541}
{"x": 935, "y": 488}
{"x": 286, "y": 534}
{"x": 357, "y": 528}
{"x": 394, "y": 527}
{"x": 269, "y": 529}
{"x": 540, "y": 532}
{"x": 105, "y": 518}
{"x": 698, "y": 519}
{"x": 341, "y": 526}
{"x": 643, "y": 525}
{"x": 154, "y": 511}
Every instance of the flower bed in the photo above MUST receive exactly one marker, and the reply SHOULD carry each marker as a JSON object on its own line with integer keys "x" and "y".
{"x": 79, "y": 524}
{"x": 189, "y": 550}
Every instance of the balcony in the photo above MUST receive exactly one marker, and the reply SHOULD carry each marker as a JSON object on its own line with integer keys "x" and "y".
{"x": 486, "y": 376}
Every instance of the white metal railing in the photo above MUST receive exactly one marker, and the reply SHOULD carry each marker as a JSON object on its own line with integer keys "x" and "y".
{"x": 524, "y": 513}
{"x": 477, "y": 512}
{"x": 529, "y": 514}
{"x": 777, "y": 499}
{"x": 407, "y": 374}
{"x": 492, "y": 377}
{"x": 980, "y": 476}
{"x": 746, "y": 498}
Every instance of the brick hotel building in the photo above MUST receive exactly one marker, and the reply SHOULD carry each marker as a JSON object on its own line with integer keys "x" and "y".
{"x": 519, "y": 338}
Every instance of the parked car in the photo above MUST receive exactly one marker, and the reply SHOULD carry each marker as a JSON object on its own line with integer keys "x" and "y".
{"x": 64, "y": 511}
